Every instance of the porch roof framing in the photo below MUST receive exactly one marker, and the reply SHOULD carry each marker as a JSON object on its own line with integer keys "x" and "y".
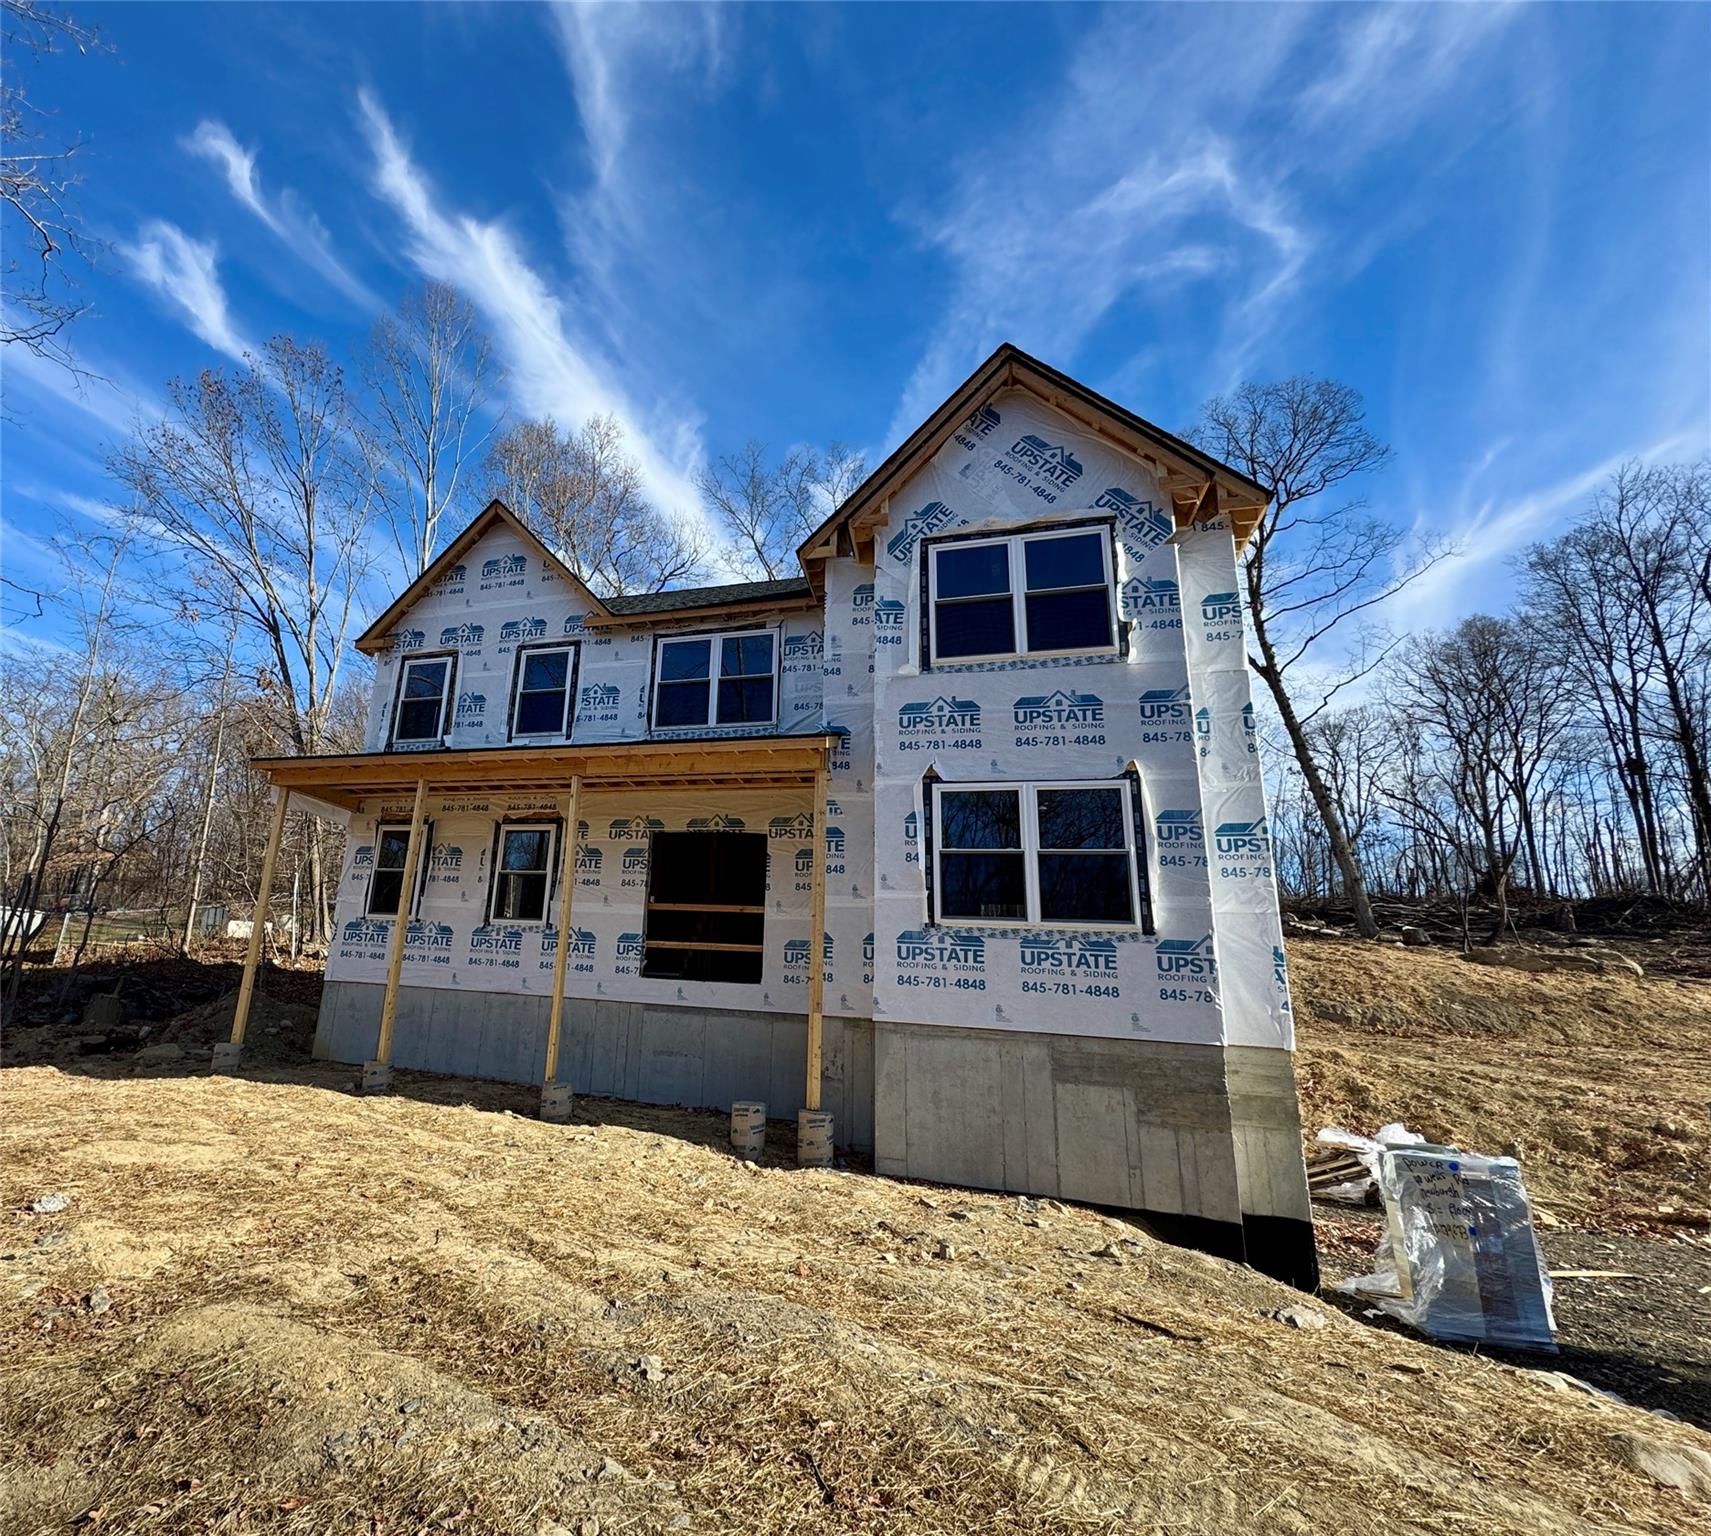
{"x": 728, "y": 762}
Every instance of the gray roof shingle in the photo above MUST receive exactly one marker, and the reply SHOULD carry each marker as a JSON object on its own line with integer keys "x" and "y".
{"x": 712, "y": 597}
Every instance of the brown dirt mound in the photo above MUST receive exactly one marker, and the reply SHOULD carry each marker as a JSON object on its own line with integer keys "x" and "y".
{"x": 1597, "y": 1083}
{"x": 270, "y": 1304}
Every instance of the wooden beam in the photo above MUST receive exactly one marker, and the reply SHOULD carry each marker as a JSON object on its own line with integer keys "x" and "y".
{"x": 395, "y": 949}
{"x": 817, "y": 942}
{"x": 566, "y": 889}
{"x": 258, "y": 920}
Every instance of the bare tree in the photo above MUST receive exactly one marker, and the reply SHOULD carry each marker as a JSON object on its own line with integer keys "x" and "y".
{"x": 582, "y": 492}
{"x": 255, "y": 480}
{"x": 769, "y": 509}
{"x": 36, "y": 186}
{"x": 429, "y": 374}
{"x": 1310, "y": 567}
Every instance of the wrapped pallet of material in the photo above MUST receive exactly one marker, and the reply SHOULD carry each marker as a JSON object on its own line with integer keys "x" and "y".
{"x": 1459, "y": 1258}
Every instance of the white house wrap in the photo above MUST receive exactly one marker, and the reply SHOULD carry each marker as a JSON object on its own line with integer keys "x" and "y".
{"x": 995, "y": 1012}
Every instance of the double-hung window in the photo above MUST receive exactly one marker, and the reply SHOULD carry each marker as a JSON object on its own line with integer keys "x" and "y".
{"x": 424, "y": 694}
{"x": 546, "y": 676}
{"x": 522, "y": 873}
{"x": 1049, "y": 593}
{"x": 722, "y": 679}
{"x": 386, "y": 883}
{"x": 1036, "y": 853}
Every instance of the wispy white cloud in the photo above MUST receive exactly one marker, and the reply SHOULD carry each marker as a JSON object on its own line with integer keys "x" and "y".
{"x": 555, "y": 368}
{"x": 286, "y": 215}
{"x": 185, "y": 273}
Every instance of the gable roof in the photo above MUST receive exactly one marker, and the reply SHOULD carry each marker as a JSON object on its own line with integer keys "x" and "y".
{"x": 378, "y": 635}
{"x": 1196, "y": 481}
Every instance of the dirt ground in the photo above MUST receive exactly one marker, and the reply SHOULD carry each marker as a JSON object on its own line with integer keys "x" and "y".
{"x": 267, "y": 1304}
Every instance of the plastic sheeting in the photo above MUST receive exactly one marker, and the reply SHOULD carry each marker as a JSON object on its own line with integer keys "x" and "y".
{"x": 1459, "y": 1258}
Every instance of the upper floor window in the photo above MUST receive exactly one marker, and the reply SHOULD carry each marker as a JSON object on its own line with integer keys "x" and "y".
{"x": 1035, "y": 853}
{"x": 722, "y": 679}
{"x": 424, "y": 699}
{"x": 1049, "y": 593}
{"x": 545, "y": 680}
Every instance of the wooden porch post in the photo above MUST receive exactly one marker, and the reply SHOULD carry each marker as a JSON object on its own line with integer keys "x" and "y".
{"x": 813, "y": 1127}
{"x": 227, "y": 1054}
{"x": 555, "y": 1096}
{"x": 377, "y": 1074}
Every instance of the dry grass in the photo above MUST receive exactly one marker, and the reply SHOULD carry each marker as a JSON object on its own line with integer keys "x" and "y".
{"x": 1598, "y": 1083}
{"x": 426, "y": 1312}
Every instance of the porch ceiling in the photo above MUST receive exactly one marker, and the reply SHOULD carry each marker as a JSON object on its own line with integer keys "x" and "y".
{"x": 752, "y": 762}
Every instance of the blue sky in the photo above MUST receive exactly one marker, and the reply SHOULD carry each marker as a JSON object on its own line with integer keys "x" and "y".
{"x": 805, "y": 223}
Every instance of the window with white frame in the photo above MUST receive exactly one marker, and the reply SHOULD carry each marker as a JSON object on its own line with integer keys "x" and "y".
{"x": 717, "y": 679}
{"x": 540, "y": 705}
{"x": 1048, "y": 593}
{"x": 424, "y": 692}
{"x": 386, "y": 882}
{"x": 522, "y": 872}
{"x": 1036, "y": 853}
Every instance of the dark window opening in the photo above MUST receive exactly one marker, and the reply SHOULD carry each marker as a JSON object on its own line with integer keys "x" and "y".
{"x": 706, "y": 911}
{"x": 422, "y": 700}
{"x": 543, "y": 693}
{"x": 386, "y": 884}
{"x": 522, "y": 873}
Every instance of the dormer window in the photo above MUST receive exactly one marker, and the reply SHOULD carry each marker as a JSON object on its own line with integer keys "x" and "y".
{"x": 1049, "y": 593}
{"x": 424, "y": 701}
{"x": 721, "y": 679}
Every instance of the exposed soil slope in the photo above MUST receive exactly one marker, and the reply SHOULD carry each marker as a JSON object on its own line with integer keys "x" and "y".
{"x": 1599, "y": 1084}
{"x": 271, "y": 1305}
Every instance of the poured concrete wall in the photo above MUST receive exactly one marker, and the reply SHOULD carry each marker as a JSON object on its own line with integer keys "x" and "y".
{"x": 651, "y": 1053}
{"x": 1125, "y": 1123}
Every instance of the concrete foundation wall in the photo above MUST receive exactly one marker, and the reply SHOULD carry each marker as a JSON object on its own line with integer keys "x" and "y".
{"x": 653, "y": 1054}
{"x": 1129, "y": 1123}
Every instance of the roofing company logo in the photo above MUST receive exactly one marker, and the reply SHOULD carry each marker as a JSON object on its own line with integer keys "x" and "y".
{"x": 589, "y": 858}
{"x": 861, "y": 597}
{"x": 599, "y": 699}
{"x": 523, "y": 629}
{"x": 796, "y": 953}
{"x": 930, "y": 519}
{"x": 888, "y": 614}
{"x": 1180, "y": 829}
{"x": 464, "y": 636}
{"x": 1187, "y": 959}
{"x": 575, "y": 623}
{"x": 635, "y": 859}
{"x": 799, "y": 825}
{"x": 1050, "y": 461}
{"x": 1060, "y": 708}
{"x": 628, "y": 829}
{"x": 1248, "y": 723}
{"x": 939, "y": 717}
{"x": 1044, "y": 953}
{"x": 1143, "y": 524}
{"x": 1242, "y": 839}
{"x": 983, "y": 422}
{"x": 940, "y": 949}
{"x": 1221, "y": 608}
{"x": 581, "y": 943}
{"x": 366, "y": 930}
{"x": 805, "y": 859}
{"x": 408, "y": 639}
{"x": 1150, "y": 597}
{"x": 718, "y": 822}
{"x": 451, "y": 576}
{"x": 363, "y": 858}
{"x": 496, "y": 939}
{"x": 866, "y": 950}
{"x": 629, "y": 951}
{"x": 445, "y": 859}
{"x": 428, "y": 936}
{"x": 504, "y": 566}
{"x": 1280, "y": 976}
{"x": 471, "y": 708}
{"x": 834, "y": 840}
{"x": 912, "y": 827}
{"x": 842, "y": 758}
{"x": 1203, "y": 723}
{"x": 805, "y": 648}
{"x": 1165, "y": 706}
